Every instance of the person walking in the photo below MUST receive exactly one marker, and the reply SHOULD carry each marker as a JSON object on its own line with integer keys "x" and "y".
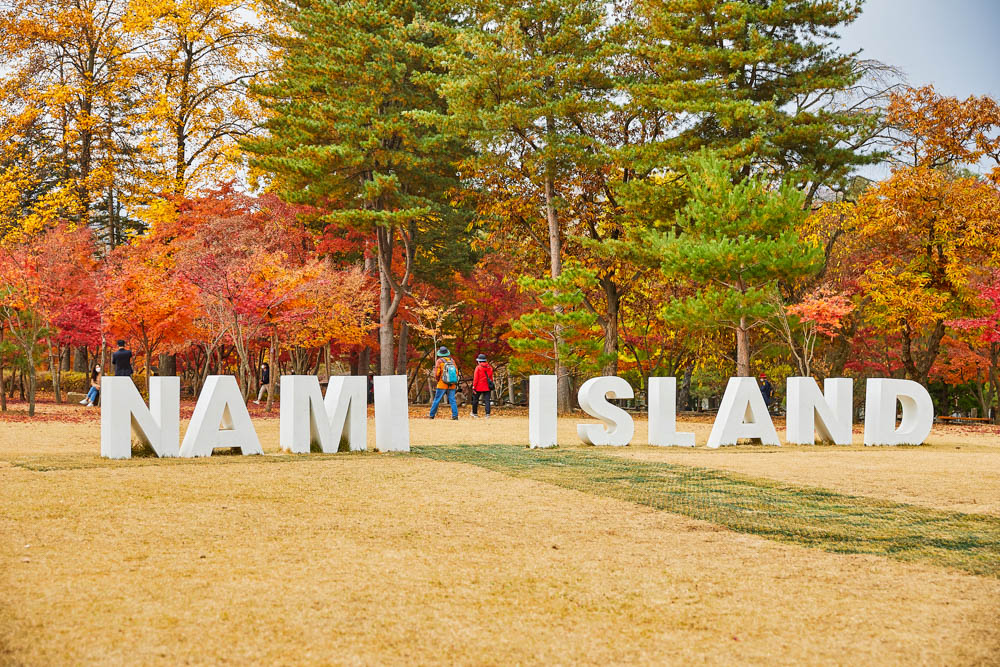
{"x": 122, "y": 361}
{"x": 265, "y": 382}
{"x": 95, "y": 388}
{"x": 482, "y": 385}
{"x": 766, "y": 390}
{"x": 446, "y": 374}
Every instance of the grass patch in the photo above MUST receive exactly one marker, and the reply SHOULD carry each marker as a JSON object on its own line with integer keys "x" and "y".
{"x": 803, "y": 515}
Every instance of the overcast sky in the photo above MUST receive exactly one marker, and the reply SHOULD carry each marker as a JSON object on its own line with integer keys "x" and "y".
{"x": 953, "y": 44}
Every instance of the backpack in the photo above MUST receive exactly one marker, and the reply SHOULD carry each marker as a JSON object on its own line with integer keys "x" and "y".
{"x": 450, "y": 372}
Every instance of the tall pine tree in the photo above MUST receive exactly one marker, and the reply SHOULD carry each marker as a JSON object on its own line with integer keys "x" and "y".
{"x": 760, "y": 82}
{"x": 348, "y": 130}
{"x": 526, "y": 79}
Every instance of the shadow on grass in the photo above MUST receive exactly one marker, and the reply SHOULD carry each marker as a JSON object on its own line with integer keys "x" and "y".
{"x": 802, "y": 515}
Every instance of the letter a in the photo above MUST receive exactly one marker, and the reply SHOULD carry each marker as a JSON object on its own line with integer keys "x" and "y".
{"x": 743, "y": 414}
{"x": 124, "y": 413}
{"x": 220, "y": 419}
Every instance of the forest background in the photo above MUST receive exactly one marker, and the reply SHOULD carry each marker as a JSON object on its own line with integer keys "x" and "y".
{"x": 637, "y": 188}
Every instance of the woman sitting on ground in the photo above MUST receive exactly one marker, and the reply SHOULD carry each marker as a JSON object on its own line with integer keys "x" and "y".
{"x": 95, "y": 387}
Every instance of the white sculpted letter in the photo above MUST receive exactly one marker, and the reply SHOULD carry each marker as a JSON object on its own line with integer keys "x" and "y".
{"x": 663, "y": 415}
{"x": 542, "y": 411}
{"x": 124, "y": 413}
{"x": 618, "y": 426}
{"x": 307, "y": 418}
{"x": 220, "y": 419}
{"x": 392, "y": 414}
{"x": 743, "y": 414}
{"x": 806, "y": 402}
{"x": 880, "y": 412}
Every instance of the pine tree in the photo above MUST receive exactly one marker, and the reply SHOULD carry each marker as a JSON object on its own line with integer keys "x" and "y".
{"x": 758, "y": 81}
{"x": 562, "y": 331}
{"x": 348, "y": 129}
{"x": 525, "y": 82}
{"x": 736, "y": 242}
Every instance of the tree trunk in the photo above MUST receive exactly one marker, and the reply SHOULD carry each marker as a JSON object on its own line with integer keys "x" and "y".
{"x": 273, "y": 380}
{"x": 364, "y": 361}
{"x": 81, "y": 363}
{"x": 684, "y": 395}
{"x": 404, "y": 341}
{"x": 386, "y": 315}
{"x": 743, "y": 349}
{"x": 555, "y": 269}
{"x": 168, "y": 365}
{"x": 32, "y": 382}
{"x": 67, "y": 359}
{"x": 3, "y": 394}
{"x": 54, "y": 368}
{"x": 610, "y": 326}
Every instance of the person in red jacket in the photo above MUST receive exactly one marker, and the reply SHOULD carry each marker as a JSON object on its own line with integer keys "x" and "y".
{"x": 482, "y": 385}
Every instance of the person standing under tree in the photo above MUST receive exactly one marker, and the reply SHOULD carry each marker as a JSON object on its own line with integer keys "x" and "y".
{"x": 482, "y": 385}
{"x": 766, "y": 390}
{"x": 265, "y": 382}
{"x": 122, "y": 361}
{"x": 446, "y": 374}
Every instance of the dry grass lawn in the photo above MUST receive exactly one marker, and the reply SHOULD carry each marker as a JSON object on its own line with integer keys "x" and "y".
{"x": 387, "y": 559}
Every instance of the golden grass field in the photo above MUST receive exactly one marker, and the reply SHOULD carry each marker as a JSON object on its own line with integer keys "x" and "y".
{"x": 379, "y": 558}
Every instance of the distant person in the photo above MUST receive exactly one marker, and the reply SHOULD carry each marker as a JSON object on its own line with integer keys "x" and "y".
{"x": 122, "y": 361}
{"x": 95, "y": 388}
{"x": 766, "y": 390}
{"x": 446, "y": 374}
{"x": 265, "y": 382}
{"x": 482, "y": 385}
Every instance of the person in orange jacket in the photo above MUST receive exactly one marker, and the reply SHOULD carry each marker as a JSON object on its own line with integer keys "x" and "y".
{"x": 482, "y": 385}
{"x": 446, "y": 374}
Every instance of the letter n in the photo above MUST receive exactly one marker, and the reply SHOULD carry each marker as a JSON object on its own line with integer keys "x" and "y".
{"x": 123, "y": 413}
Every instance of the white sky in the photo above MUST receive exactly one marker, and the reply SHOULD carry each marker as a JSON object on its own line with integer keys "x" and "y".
{"x": 953, "y": 44}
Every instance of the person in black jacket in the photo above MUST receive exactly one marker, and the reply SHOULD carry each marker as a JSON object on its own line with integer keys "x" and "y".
{"x": 265, "y": 382}
{"x": 766, "y": 390}
{"x": 122, "y": 361}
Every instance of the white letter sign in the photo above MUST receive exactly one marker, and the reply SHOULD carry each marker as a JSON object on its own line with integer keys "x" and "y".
{"x": 663, "y": 414}
{"x": 810, "y": 411}
{"x": 617, "y": 427}
{"x": 124, "y": 413}
{"x": 880, "y": 412}
{"x": 542, "y": 411}
{"x": 392, "y": 415}
{"x": 742, "y": 414}
{"x": 307, "y": 417}
{"x": 220, "y": 419}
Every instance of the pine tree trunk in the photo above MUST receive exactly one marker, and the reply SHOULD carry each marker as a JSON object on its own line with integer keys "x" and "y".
{"x": 386, "y": 313}
{"x": 364, "y": 361}
{"x": 563, "y": 404}
{"x": 743, "y": 349}
{"x": 610, "y": 326}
